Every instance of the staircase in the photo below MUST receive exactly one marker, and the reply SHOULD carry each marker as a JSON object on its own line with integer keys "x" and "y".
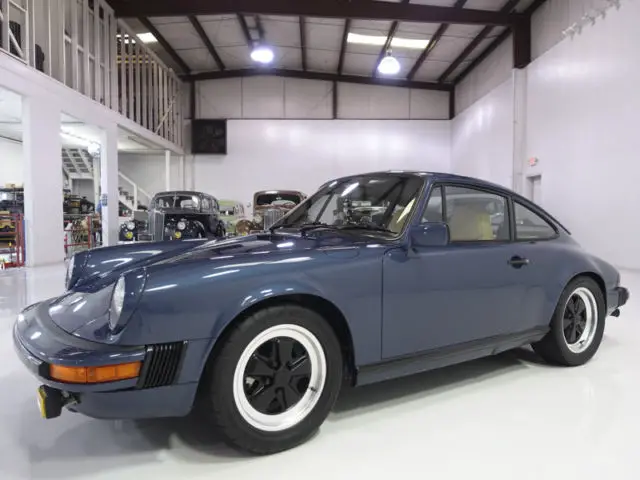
{"x": 77, "y": 164}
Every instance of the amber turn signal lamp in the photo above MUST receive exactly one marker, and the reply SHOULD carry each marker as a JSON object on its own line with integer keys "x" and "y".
{"x": 105, "y": 373}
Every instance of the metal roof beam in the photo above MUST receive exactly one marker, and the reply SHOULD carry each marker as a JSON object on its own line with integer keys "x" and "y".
{"x": 355, "y": 9}
{"x": 303, "y": 42}
{"x": 484, "y": 33}
{"x": 442, "y": 29}
{"x": 162, "y": 41}
{"x": 207, "y": 42}
{"x": 328, "y": 77}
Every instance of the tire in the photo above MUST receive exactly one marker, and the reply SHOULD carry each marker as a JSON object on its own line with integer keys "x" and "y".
{"x": 569, "y": 343}
{"x": 219, "y": 231}
{"x": 268, "y": 426}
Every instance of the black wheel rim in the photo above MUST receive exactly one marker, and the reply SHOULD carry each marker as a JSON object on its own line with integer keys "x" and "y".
{"x": 574, "y": 321}
{"x": 277, "y": 375}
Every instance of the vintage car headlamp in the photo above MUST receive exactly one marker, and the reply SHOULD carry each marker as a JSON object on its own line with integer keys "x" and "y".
{"x": 117, "y": 302}
{"x": 181, "y": 225}
{"x": 257, "y": 218}
{"x": 131, "y": 225}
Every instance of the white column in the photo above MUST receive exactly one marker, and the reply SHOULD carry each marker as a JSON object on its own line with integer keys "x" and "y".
{"x": 519, "y": 128}
{"x": 42, "y": 153}
{"x": 96, "y": 179}
{"x": 183, "y": 182}
{"x": 109, "y": 184}
{"x": 167, "y": 169}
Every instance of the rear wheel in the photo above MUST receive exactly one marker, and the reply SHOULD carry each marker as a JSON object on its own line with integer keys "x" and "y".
{"x": 274, "y": 380}
{"x": 577, "y": 325}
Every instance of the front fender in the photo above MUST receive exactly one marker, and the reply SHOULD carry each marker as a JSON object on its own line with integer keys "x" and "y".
{"x": 259, "y": 294}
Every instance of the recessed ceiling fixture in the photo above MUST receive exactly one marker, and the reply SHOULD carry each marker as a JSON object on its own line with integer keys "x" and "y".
{"x": 147, "y": 37}
{"x": 262, "y": 54}
{"x": 380, "y": 40}
{"x": 389, "y": 65}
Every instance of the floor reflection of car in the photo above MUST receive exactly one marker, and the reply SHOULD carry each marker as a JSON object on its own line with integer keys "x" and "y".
{"x": 178, "y": 215}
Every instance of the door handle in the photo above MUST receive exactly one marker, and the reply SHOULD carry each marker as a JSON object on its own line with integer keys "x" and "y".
{"x": 518, "y": 262}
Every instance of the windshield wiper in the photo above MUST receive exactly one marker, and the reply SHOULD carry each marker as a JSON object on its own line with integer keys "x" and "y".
{"x": 365, "y": 226}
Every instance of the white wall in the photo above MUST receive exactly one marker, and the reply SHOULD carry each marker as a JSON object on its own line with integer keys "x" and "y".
{"x": 11, "y": 169}
{"x": 287, "y": 98}
{"x": 281, "y": 135}
{"x": 148, "y": 171}
{"x": 482, "y": 137}
{"x": 583, "y": 106}
{"x": 492, "y": 72}
{"x": 303, "y": 154}
{"x": 553, "y": 17}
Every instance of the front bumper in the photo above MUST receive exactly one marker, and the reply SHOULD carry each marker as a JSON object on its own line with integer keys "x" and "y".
{"x": 617, "y": 298}
{"x": 39, "y": 342}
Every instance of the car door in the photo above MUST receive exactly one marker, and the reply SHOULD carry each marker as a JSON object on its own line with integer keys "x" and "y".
{"x": 534, "y": 242}
{"x": 468, "y": 290}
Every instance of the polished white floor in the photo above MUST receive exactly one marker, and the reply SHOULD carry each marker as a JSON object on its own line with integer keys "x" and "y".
{"x": 507, "y": 417}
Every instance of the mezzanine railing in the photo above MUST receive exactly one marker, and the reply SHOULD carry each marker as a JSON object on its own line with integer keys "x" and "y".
{"x": 81, "y": 44}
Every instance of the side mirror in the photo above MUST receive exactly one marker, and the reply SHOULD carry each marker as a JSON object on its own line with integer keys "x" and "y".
{"x": 434, "y": 234}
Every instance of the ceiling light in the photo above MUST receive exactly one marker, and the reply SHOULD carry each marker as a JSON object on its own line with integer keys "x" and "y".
{"x": 262, "y": 54}
{"x": 147, "y": 37}
{"x": 381, "y": 40}
{"x": 389, "y": 65}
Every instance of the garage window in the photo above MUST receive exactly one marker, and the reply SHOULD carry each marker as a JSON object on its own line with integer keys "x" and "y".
{"x": 531, "y": 226}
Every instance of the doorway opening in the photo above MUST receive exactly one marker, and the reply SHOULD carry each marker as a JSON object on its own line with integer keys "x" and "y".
{"x": 534, "y": 189}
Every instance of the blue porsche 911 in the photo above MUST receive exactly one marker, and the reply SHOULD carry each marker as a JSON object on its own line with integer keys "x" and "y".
{"x": 374, "y": 276}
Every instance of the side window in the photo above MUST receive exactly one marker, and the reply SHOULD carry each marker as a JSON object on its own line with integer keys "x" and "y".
{"x": 475, "y": 215}
{"x": 530, "y": 225}
{"x": 433, "y": 212}
{"x": 205, "y": 204}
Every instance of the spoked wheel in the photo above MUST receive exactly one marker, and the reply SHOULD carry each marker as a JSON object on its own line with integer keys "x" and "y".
{"x": 274, "y": 379}
{"x": 577, "y": 325}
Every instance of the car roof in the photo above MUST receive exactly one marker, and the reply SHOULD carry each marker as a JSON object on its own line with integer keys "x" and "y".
{"x": 445, "y": 177}
{"x": 180, "y": 192}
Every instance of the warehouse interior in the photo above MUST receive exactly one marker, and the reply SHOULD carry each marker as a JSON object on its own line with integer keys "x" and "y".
{"x": 536, "y": 96}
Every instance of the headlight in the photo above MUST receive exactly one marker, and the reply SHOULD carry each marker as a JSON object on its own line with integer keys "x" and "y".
{"x": 70, "y": 266}
{"x": 182, "y": 225}
{"x": 117, "y": 302}
{"x": 257, "y": 218}
{"x": 131, "y": 225}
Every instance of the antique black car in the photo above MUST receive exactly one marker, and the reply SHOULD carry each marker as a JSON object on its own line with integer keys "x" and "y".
{"x": 131, "y": 229}
{"x": 178, "y": 215}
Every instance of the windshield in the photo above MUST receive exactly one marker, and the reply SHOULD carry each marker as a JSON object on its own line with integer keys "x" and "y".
{"x": 186, "y": 202}
{"x": 380, "y": 202}
{"x": 277, "y": 199}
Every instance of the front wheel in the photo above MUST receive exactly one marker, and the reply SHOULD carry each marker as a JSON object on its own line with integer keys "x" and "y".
{"x": 577, "y": 325}
{"x": 274, "y": 380}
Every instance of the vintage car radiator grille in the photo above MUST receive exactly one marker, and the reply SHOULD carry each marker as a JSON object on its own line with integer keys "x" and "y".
{"x": 271, "y": 216}
{"x": 161, "y": 365}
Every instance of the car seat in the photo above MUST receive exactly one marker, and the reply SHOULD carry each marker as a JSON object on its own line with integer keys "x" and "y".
{"x": 468, "y": 224}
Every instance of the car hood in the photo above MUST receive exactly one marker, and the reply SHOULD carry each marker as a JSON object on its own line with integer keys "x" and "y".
{"x": 103, "y": 266}
{"x": 267, "y": 243}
